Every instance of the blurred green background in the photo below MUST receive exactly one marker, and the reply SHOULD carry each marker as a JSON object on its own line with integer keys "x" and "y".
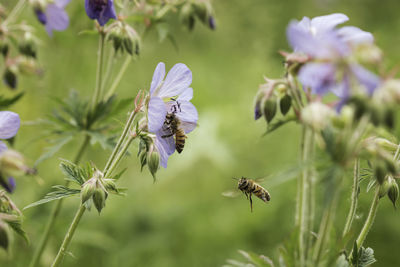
{"x": 182, "y": 219}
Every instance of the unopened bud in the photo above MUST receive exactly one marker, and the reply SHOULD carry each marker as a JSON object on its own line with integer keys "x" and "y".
{"x": 88, "y": 189}
{"x": 27, "y": 46}
{"x": 186, "y": 15}
{"x": 285, "y": 104}
{"x": 124, "y": 37}
{"x": 384, "y": 188}
{"x": 12, "y": 163}
{"x": 393, "y": 192}
{"x": 153, "y": 161}
{"x": 380, "y": 172}
{"x": 4, "y": 236}
{"x": 10, "y": 78}
{"x": 99, "y": 198}
{"x": 270, "y": 108}
{"x": 110, "y": 185}
{"x": 317, "y": 115}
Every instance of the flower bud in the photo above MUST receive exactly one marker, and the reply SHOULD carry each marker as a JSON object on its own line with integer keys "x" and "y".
{"x": 285, "y": 104}
{"x": 27, "y": 45}
{"x": 393, "y": 192}
{"x": 187, "y": 15}
{"x": 269, "y": 108}
{"x": 317, "y": 115}
{"x": 110, "y": 185}
{"x": 99, "y": 198}
{"x": 4, "y": 236}
{"x": 4, "y": 48}
{"x": 10, "y": 78}
{"x": 384, "y": 188}
{"x": 88, "y": 189}
{"x": 124, "y": 37}
{"x": 153, "y": 161}
{"x": 380, "y": 172}
{"x": 12, "y": 163}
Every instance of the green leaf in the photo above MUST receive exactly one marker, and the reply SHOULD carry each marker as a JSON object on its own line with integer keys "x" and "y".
{"x": 52, "y": 150}
{"x": 74, "y": 173}
{"x": 117, "y": 176}
{"x": 106, "y": 142}
{"x": 121, "y": 105}
{"x": 59, "y": 192}
{"x": 273, "y": 126}
{"x": 258, "y": 260}
{"x": 362, "y": 257}
{"x": 6, "y": 102}
{"x": 342, "y": 261}
{"x": 16, "y": 225}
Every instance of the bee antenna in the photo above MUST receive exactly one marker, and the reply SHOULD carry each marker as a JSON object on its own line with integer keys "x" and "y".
{"x": 237, "y": 179}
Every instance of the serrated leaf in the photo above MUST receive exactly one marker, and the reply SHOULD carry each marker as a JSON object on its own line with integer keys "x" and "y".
{"x": 52, "y": 150}
{"x": 74, "y": 173}
{"x": 106, "y": 142}
{"x": 6, "y": 102}
{"x": 59, "y": 193}
{"x": 256, "y": 259}
{"x": 17, "y": 227}
{"x": 121, "y": 105}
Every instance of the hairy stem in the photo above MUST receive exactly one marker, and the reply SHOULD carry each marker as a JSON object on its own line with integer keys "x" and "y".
{"x": 68, "y": 236}
{"x": 99, "y": 71}
{"x": 125, "y": 132}
{"x": 117, "y": 79}
{"x": 55, "y": 211}
{"x": 305, "y": 195}
{"x": 111, "y": 164}
{"x": 109, "y": 65}
{"x": 370, "y": 219}
{"x": 354, "y": 198}
{"x": 15, "y": 12}
{"x": 326, "y": 226}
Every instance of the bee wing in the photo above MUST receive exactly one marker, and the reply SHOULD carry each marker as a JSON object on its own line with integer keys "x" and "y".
{"x": 188, "y": 126}
{"x": 259, "y": 180}
{"x": 231, "y": 193}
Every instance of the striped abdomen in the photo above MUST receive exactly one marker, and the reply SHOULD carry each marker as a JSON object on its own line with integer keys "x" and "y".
{"x": 180, "y": 140}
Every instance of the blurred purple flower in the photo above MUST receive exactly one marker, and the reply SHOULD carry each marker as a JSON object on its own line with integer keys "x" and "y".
{"x": 54, "y": 16}
{"x": 9, "y": 125}
{"x": 322, "y": 41}
{"x": 171, "y": 95}
{"x": 101, "y": 10}
{"x": 319, "y": 37}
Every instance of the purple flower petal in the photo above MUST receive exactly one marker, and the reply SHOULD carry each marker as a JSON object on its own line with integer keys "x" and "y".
{"x": 365, "y": 77}
{"x": 8, "y": 184}
{"x": 178, "y": 79}
{"x": 187, "y": 95}
{"x": 165, "y": 147}
{"x": 156, "y": 114}
{"x": 102, "y": 11}
{"x": 320, "y": 77}
{"x": 158, "y": 76}
{"x": 327, "y": 22}
{"x": 40, "y": 16}
{"x": 9, "y": 124}
{"x": 3, "y": 147}
{"x": 57, "y": 19}
{"x": 62, "y": 3}
{"x": 355, "y": 36}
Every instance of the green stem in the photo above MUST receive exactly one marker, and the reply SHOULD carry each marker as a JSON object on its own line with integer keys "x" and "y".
{"x": 99, "y": 71}
{"x": 68, "y": 236}
{"x": 14, "y": 12}
{"x": 54, "y": 213}
{"x": 370, "y": 219}
{"x": 110, "y": 63}
{"x": 120, "y": 155}
{"x": 305, "y": 195}
{"x": 326, "y": 226}
{"x": 118, "y": 79}
{"x": 120, "y": 141}
{"x": 354, "y": 198}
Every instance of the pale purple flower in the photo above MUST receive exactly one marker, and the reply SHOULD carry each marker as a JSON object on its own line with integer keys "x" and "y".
{"x": 101, "y": 10}
{"x": 9, "y": 125}
{"x": 171, "y": 95}
{"x": 53, "y": 16}
{"x": 319, "y": 37}
{"x": 329, "y": 48}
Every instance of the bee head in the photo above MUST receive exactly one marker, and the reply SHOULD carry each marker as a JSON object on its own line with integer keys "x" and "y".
{"x": 242, "y": 182}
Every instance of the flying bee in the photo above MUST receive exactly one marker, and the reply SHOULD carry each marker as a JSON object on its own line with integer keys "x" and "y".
{"x": 248, "y": 187}
{"x": 172, "y": 124}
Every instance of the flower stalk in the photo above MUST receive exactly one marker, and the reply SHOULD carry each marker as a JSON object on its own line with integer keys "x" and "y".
{"x": 55, "y": 211}
{"x": 99, "y": 71}
{"x": 354, "y": 198}
{"x": 118, "y": 79}
{"x": 15, "y": 12}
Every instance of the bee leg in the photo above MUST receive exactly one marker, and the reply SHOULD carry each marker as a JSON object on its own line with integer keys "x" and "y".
{"x": 167, "y": 135}
{"x": 251, "y": 203}
{"x": 247, "y": 196}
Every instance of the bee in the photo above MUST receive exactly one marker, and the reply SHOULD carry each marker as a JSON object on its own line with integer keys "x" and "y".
{"x": 172, "y": 124}
{"x": 249, "y": 186}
